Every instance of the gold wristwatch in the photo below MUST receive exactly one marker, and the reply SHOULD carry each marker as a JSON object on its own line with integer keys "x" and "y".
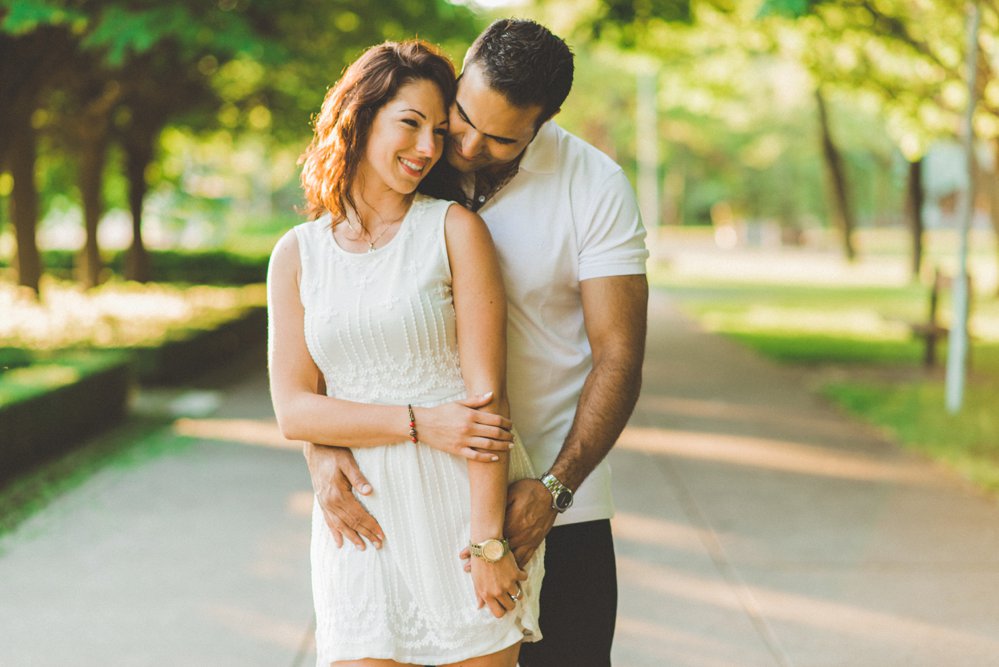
{"x": 490, "y": 550}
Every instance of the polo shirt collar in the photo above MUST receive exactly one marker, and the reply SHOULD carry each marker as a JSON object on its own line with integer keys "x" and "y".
{"x": 541, "y": 155}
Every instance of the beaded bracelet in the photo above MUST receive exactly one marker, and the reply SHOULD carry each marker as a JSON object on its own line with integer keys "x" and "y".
{"x": 412, "y": 423}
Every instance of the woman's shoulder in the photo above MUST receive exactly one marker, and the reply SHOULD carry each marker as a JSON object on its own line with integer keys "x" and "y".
{"x": 459, "y": 215}
{"x": 463, "y": 228}
{"x": 430, "y": 202}
{"x": 311, "y": 228}
{"x": 288, "y": 249}
{"x": 431, "y": 213}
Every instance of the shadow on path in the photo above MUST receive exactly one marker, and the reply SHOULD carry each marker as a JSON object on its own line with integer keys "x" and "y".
{"x": 758, "y": 526}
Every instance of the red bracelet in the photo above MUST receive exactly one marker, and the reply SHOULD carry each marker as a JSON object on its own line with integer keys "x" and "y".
{"x": 412, "y": 424}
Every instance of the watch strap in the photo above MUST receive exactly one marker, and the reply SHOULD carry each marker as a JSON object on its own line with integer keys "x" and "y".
{"x": 562, "y": 495}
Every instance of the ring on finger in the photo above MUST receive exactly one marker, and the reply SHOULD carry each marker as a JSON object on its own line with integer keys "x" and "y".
{"x": 520, "y": 591}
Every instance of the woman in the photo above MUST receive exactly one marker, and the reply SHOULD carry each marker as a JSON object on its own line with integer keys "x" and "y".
{"x": 394, "y": 300}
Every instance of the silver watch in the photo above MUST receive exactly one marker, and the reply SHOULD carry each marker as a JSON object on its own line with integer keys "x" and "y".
{"x": 561, "y": 494}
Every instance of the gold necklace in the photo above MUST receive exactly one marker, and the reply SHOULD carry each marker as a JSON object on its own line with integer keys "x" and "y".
{"x": 373, "y": 241}
{"x": 364, "y": 230}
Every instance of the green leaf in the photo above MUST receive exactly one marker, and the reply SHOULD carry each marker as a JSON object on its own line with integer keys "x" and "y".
{"x": 788, "y": 8}
{"x": 123, "y": 31}
{"x": 24, "y": 16}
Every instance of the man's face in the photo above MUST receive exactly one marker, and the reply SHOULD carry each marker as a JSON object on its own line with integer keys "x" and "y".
{"x": 487, "y": 132}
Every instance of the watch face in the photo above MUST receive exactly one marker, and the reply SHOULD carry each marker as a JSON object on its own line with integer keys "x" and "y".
{"x": 492, "y": 550}
{"x": 563, "y": 500}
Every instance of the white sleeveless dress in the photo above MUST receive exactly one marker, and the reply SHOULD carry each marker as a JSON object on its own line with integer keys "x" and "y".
{"x": 381, "y": 328}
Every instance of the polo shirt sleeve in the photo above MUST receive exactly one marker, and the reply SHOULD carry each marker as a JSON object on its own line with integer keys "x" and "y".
{"x": 612, "y": 236}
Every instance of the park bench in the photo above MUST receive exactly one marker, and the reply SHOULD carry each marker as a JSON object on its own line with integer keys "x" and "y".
{"x": 932, "y": 330}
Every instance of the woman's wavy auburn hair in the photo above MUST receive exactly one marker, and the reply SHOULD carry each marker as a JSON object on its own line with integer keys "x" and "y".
{"x": 329, "y": 164}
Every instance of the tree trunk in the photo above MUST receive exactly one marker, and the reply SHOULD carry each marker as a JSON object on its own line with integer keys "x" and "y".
{"x": 92, "y": 156}
{"x": 24, "y": 201}
{"x": 138, "y": 155}
{"x": 914, "y": 199}
{"x": 839, "y": 189}
{"x": 90, "y": 129}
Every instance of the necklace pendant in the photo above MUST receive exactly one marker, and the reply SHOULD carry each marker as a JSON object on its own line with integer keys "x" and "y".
{"x": 371, "y": 247}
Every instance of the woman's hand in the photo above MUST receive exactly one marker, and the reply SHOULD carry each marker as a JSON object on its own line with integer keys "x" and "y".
{"x": 461, "y": 429}
{"x": 497, "y": 585}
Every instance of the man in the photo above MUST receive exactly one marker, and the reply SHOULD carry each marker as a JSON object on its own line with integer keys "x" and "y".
{"x": 571, "y": 245}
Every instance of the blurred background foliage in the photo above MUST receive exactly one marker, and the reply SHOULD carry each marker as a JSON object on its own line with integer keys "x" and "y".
{"x": 138, "y": 124}
{"x": 171, "y": 124}
{"x": 783, "y": 142}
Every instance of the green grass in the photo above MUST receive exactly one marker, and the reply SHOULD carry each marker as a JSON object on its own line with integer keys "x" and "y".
{"x": 862, "y": 331}
{"x": 884, "y": 311}
{"x": 914, "y": 414}
{"x": 13, "y": 357}
{"x": 30, "y": 374}
{"x": 907, "y": 301}
{"x": 822, "y": 349}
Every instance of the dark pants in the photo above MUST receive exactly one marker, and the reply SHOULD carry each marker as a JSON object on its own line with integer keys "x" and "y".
{"x": 578, "y": 598}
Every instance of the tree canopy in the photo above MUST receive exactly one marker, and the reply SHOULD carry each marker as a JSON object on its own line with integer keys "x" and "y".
{"x": 84, "y": 78}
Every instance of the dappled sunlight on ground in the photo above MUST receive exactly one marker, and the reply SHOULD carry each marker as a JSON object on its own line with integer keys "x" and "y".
{"x": 785, "y": 266}
{"x": 656, "y": 532}
{"x": 659, "y": 407}
{"x": 984, "y": 327}
{"x": 671, "y": 645}
{"x": 259, "y": 433}
{"x": 256, "y": 433}
{"x": 115, "y": 314}
{"x": 691, "y": 253}
{"x": 301, "y": 503}
{"x": 772, "y": 454}
{"x": 252, "y": 624}
{"x": 823, "y": 614}
{"x": 862, "y": 322}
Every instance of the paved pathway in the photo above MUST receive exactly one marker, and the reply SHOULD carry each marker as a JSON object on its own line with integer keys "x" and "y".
{"x": 756, "y": 526}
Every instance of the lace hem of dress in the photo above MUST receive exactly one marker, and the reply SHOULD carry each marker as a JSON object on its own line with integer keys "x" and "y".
{"x": 407, "y": 635}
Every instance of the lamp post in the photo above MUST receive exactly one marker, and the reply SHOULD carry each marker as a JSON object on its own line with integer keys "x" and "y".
{"x": 957, "y": 343}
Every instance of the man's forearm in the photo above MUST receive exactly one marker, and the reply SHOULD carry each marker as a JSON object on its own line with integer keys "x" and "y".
{"x": 605, "y": 405}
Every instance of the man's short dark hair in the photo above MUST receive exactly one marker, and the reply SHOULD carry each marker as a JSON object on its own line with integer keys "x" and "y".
{"x": 525, "y": 62}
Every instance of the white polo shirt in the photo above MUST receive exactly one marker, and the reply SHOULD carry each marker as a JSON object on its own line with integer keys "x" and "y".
{"x": 568, "y": 215}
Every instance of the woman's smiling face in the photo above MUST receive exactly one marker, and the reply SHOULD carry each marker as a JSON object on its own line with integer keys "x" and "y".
{"x": 406, "y": 138}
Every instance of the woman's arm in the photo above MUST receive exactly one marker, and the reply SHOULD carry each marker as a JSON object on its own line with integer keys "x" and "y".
{"x": 303, "y": 414}
{"x": 480, "y": 310}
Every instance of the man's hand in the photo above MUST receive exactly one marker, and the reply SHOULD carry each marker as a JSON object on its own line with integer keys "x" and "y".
{"x": 529, "y": 517}
{"x": 334, "y": 474}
